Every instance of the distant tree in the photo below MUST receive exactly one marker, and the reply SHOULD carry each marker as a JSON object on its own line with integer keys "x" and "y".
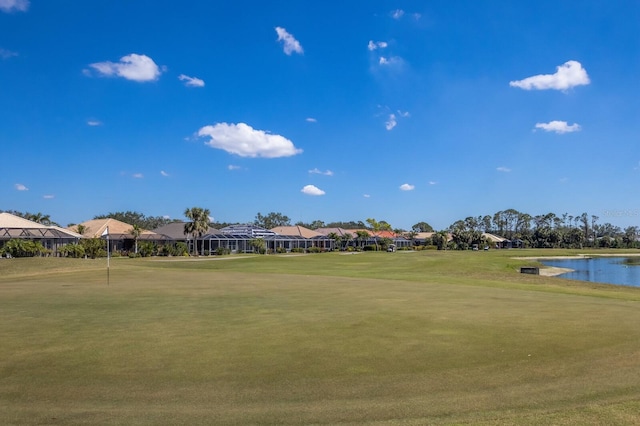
{"x": 271, "y": 220}
{"x": 346, "y": 239}
{"x": 440, "y": 239}
{"x": 135, "y": 233}
{"x": 412, "y": 236}
{"x": 198, "y": 225}
{"x": 137, "y": 218}
{"x": 334, "y": 237}
{"x": 81, "y": 229}
{"x": 346, "y": 225}
{"x": 361, "y": 237}
{"x": 313, "y": 225}
{"x": 630, "y": 236}
{"x": 422, "y": 227}
{"x": 377, "y": 227}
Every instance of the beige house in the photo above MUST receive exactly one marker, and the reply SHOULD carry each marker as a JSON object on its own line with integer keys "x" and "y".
{"x": 51, "y": 237}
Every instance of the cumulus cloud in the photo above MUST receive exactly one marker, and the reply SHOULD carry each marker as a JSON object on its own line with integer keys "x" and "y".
{"x": 133, "y": 67}
{"x": 373, "y": 45}
{"x": 404, "y": 114}
{"x": 291, "y": 45}
{"x": 559, "y": 127}
{"x": 312, "y": 190}
{"x": 49, "y": 197}
{"x": 397, "y": 14}
{"x": 21, "y": 187}
{"x": 6, "y": 54}
{"x": 311, "y": 120}
{"x": 14, "y": 5}
{"x": 391, "y": 122}
{"x": 233, "y": 167}
{"x": 163, "y": 173}
{"x": 93, "y": 123}
{"x": 366, "y": 195}
{"x": 317, "y": 171}
{"x": 432, "y": 182}
{"x": 567, "y": 75}
{"x": 503, "y": 169}
{"x": 191, "y": 81}
{"x": 245, "y": 141}
{"x": 407, "y": 187}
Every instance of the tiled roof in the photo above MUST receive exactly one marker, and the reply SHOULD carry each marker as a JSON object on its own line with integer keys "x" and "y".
{"x": 296, "y": 231}
{"x": 96, "y": 227}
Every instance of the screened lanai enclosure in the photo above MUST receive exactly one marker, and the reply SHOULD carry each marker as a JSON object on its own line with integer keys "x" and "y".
{"x": 52, "y": 238}
{"x": 238, "y": 239}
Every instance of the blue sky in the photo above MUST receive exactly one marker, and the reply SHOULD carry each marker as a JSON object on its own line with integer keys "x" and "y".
{"x": 401, "y": 111}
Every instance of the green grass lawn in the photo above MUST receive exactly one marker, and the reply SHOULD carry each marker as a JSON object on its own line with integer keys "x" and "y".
{"x": 375, "y": 338}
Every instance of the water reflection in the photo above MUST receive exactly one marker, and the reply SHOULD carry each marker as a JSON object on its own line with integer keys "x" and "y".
{"x": 610, "y": 270}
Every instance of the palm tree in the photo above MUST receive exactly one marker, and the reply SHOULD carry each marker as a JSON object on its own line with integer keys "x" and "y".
{"x": 333, "y": 237}
{"x": 135, "y": 232}
{"x": 346, "y": 238}
{"x": 199, "y": 224}
{"x": 81, "y": 229}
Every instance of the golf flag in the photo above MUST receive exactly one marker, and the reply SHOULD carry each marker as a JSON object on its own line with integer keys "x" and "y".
{"x": 106, "y": 232}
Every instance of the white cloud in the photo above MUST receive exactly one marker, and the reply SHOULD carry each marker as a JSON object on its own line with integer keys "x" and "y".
{"x": 433, "y": 182}
{"x": 6, "y": 54}
{"x": 138, "y": 175}
{"x": 21, "y": 187}
{"x": 397, "y": 14}
{"x": 49, "y": 197}
{"x": 317, "y": 171}
{"x": 503, "y": 169}
{"x": 395, "y": 63}
{"x": 366, "y": 195}
{"x": 311, "y": 120}
{"x": 94, "y": 123}
{"x": 558, "y": 127}
{"x": 233, "y": 167}
{"x": 407, "y": 187}
{"x": 568, "y": 75}
{"x": 163, "y": 173}
{"x": 191, "y": 81}
{"x": 417, "y": 16}
{"x": 132, "y": 67}
{"x": 391, "y": 123}
{"x": 373, "y": 45}
{"x": 243, "y": 140}
{"x": 312, "y": 190}
{"x": 290, "y": 43}
{"x": 404, "y": 114}
{"x": 11, "y": 5}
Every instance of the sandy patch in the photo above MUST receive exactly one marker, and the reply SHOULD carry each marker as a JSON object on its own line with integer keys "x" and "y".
{"x": 552, "y": 271}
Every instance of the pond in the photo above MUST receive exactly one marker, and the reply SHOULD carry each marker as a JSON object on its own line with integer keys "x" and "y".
{"x": 608, "y": 270}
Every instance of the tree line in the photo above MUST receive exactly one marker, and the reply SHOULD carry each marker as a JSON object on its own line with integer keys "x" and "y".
{"x": 544, "y": 231}
{"x": 537, "y": 231}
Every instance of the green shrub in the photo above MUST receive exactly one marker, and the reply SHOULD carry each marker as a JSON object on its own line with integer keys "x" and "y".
{"x": 24, "y": 248}
{"x": 281, "y": 250}
{"x": 297, "y": 250}
{"x": 72, "y": 250}
{"x": 147, "y": 248}
{"x": 222, "y": 251}
{"x": 94, "y": 247}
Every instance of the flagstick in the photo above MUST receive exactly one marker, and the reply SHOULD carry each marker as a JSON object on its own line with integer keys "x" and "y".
{"x": 108, "y": 259}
